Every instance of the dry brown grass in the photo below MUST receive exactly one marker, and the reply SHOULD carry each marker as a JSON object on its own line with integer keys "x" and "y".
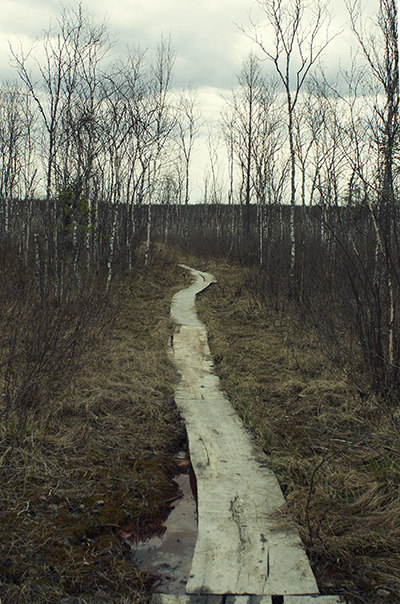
{"x": 93, "y": 463}
{"x": 335, "y": 450}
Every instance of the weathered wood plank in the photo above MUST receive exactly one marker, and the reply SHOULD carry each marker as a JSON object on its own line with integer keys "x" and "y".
{"x": 186, "y": 599}
{"x": 313, "y": 600}
{"x": 245, "y": 543}
{"x": 307, "y": 599}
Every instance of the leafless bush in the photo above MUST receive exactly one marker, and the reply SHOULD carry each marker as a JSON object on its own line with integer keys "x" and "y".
{"x": 41, "y": 340}
{"x": 341, "y": 292}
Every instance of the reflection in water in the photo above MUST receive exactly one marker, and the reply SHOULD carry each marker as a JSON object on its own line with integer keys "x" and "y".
{"x": 170, "y": 556}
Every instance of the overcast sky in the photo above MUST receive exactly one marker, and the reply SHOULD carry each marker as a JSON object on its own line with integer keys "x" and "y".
{"x": 210, "y": 47}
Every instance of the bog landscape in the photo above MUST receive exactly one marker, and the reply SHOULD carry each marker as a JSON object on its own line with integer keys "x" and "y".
{"x": 97, "y": 231}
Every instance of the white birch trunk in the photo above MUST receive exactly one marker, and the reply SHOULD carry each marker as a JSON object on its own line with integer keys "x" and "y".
{"x": 76, "y": 257}
{"x": 148, "y": 241}
{"x": 260, "y": 233}
{"x": 27, "y": 231}
{"x": 166, "y": 231}
{"x": 38, "y": 271}
{"x": 88, "y": 233}
{"x": 7, "y": 216}
{"x": 292, "y": 244}
{"x": 111, "y": 255}
{"x": 129, "y": 237}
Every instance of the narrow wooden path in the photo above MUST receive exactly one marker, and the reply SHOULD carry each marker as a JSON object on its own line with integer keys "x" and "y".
{"x": 246, "y": 546}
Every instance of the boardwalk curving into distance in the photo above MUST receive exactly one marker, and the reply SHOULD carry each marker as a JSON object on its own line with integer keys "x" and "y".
{"x": 247, "y": 551}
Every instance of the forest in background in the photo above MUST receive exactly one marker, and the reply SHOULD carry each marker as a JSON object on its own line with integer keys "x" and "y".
{"x": 313, "y": 171}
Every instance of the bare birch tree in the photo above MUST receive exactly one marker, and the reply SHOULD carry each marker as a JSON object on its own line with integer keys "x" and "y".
{"x": 300, "y": 36}
{"x": 381, "y": 51}
{"x": 241, "y": 125}
{"x": 252, "y": 127}
{"x": 17, "y": 143}
{"x": 71, "y": 54}
{"x": 188, "y": 128}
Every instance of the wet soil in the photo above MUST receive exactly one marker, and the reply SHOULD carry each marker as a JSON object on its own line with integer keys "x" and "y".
{"x": 168, "y": 555}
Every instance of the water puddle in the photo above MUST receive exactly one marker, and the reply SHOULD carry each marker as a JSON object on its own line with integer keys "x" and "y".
{"x": 169, "y": 557}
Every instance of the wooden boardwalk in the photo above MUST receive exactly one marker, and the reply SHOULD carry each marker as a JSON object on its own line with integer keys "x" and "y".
{"x": 247, "y": 551}
{"x": 231, "y": 599}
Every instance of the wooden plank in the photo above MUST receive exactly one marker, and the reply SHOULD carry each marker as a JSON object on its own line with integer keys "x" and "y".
{"x": 183, "y": 599}
{"x": 306, "y": 599}
{"x": 186, "y": 599}
{"x": 245, "y": 544}
{"x": 313, "y": 600}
